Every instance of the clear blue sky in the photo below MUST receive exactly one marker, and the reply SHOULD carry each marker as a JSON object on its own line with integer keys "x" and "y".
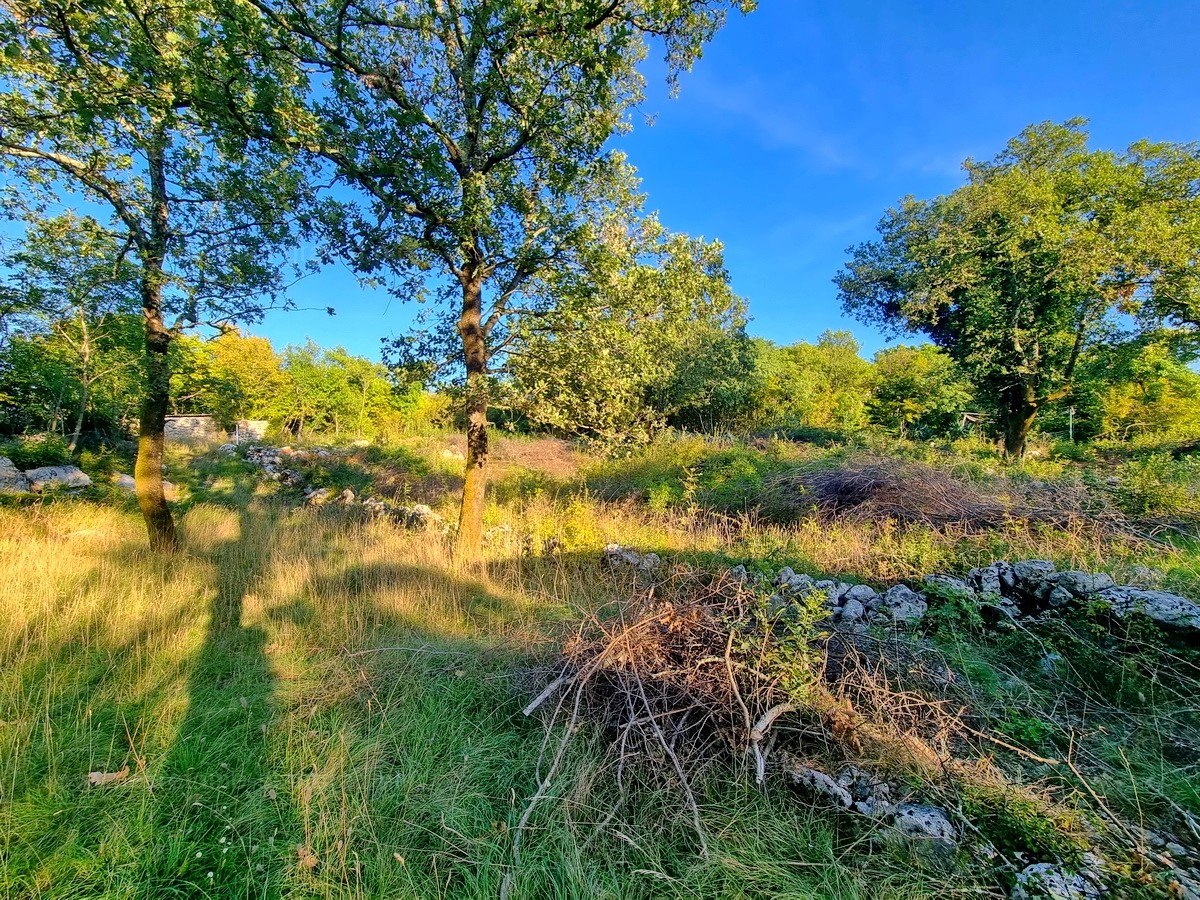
{"x": 804, "y": 122}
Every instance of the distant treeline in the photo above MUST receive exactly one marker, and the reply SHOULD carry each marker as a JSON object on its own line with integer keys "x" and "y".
{"x": 78, "y": 373}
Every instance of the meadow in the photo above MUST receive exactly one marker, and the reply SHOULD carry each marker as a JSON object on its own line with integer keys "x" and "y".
{"x": 309, "y": 703}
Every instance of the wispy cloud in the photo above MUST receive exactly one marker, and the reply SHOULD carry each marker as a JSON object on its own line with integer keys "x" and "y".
{"x": 778, "y": 119}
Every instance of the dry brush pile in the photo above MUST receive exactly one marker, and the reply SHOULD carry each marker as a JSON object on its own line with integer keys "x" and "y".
{"x": 703, "y": 675}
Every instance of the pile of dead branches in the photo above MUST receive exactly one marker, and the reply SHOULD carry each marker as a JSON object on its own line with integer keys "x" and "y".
{"x": 700, "y": 670}
{"x": 868, "y": 488}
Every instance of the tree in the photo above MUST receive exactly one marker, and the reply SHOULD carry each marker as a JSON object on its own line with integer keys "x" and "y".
{"x": 106, "y": 103}
{"x": 232, "y": 376}
{"x": 656, "y": 338}
{"x": 77, "y": 283}
{"x": 917, "y": 387}
{"x": 1049, "y": 250}
{"x": 477, "y": 133}
{"x": 823, "y": 385}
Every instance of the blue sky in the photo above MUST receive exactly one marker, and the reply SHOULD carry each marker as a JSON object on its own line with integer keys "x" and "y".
{"x": 804, "y": 122}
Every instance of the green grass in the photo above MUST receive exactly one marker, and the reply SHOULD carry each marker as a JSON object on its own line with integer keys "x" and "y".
{"x": 315, "y": 706}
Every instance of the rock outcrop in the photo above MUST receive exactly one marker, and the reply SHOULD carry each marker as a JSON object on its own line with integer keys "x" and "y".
{"x": 56, "y": 477}
{"x": 12, "y": 479}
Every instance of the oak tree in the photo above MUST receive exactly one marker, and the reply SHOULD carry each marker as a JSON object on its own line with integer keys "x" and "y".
{"x": 104, "y": 105}
{"x": 477, "y": 134}
{"x": 1047, "y": 251}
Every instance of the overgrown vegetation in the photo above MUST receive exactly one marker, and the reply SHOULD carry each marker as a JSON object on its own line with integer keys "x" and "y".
{"x": 317, "y": 703}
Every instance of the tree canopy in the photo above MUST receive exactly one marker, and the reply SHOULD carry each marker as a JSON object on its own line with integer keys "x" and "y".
{"x": 1048, "y": 250}
{"x": 476, "y": 133}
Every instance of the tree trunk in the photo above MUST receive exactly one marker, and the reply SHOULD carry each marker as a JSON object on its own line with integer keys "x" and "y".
{"x": 147, "y": 472}
{"x": 86, "y": 379}
{"x": 470, "y": 329}
{"x": 1018, "y": 409}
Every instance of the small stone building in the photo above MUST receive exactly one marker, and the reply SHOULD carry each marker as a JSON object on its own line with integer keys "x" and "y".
{"x": 193, "y": 429}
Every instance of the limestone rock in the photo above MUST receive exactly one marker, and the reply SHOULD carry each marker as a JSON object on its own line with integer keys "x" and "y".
{"x": 1084, "y": 584}
{"x": 56, "y": 476}
{"x": 863, "y": 593}
{"x": 852, "y": 611}
{"x": 1168, "y": 610}
{"x": 12, "y": 479}
{"x": 1047, "y": 881}
{"x": 822, "y": 785}
{"x": 986, "y": 582}
{"x": 917, "y": 822}
{"x": 903, "y": 604}
{"x": 1029, "y": 574}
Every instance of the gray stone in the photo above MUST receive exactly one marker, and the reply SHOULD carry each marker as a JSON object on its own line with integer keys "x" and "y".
{"x": 918, "y": 822}
{"x": 837, "y": 593}
{"x": 1008, "y": 578}
{"x": 650, "y": 562}
{"x": 318, "y": 497}
{"x": 986, "y": 582}
{"x": 125, "y": 482}
{"x": 903, "y": 604}
{"x": 55, "y": 477}
{"x": 1058, "y": 597}
{"x": 1084, "y": 584}
{"x": 786, "y": 574}
{"x": 1029, "y": 574}
{"x": 949, "y": 586}
{"x": 860, "y": 592}
{"x": 739, "y": 574}
{"x": 820, "y": 784}
{"x": 12, "y": 479}
{"x": 852, "y": 611}
{"x": 1047, "y": 881}
{"x": 1168, "y": 610}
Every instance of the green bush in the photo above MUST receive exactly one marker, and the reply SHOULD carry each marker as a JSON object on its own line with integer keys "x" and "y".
{"x": 34, "y": 451}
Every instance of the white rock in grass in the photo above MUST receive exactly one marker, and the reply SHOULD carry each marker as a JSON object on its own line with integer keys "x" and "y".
{"x": 1047, "y": 881}
{"x": 125, "y": 482}
{"x": 12, "y": 479}
{"x": 924, "y": 823}
{"x": 57, "y": 476}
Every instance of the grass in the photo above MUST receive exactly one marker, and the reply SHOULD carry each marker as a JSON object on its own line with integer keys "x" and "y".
{"x": 314, "y": 706}
{"x": 310, "y": 706}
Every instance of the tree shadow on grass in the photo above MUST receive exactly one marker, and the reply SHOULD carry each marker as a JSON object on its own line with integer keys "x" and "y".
{"x": 223, "y": 824}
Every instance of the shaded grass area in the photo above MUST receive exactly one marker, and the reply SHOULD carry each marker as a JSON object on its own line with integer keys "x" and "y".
{"x": 313, "y": 706}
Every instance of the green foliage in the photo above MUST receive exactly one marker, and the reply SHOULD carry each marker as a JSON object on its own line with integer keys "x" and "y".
{"x": 917, "y": 390}
{"x": 951, "y": 610}
{"x": 811, "y": 386}
{"x": 36, "y": 451}
{"x": 1016, "y": 822}
{"x": 658, "y": 341}
{"x": 1159, "y": 485}
{"x": 1022, "y": 271}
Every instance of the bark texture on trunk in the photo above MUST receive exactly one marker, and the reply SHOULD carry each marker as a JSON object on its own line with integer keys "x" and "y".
{"x": 1019, "y": 409}
{"x": 470, "y": 329}
{"x": 147, "y": 472}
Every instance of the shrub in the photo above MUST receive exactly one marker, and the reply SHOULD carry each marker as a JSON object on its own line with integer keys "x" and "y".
{"x": 34, "y": 451}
